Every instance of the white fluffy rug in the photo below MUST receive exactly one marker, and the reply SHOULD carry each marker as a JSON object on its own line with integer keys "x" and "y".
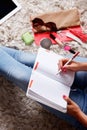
{"x": 17, "y": 112}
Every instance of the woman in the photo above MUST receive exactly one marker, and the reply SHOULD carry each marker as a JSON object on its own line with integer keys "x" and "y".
{"x": 17, "y": 66}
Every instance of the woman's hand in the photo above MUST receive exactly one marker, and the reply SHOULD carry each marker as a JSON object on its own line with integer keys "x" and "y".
{"x": 72, "y": 108}
{"x": 73, "y": 65}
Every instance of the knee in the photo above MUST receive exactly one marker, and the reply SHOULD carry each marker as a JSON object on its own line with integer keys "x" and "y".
{"x": 22, "y": 80}
{"x": 24, "y": 76}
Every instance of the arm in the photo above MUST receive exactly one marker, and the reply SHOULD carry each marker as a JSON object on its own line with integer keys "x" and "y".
{"x": 74, "y": 110}
{"x": 82, "y": 118}
{"x": 74, "y": 66}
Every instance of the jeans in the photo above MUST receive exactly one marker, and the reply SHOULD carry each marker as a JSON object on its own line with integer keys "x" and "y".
{"x": 17, "y": 65}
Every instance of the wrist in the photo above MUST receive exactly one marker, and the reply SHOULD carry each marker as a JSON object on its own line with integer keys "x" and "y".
{"x": 82, "y": 118}
{"x": 77, "y": 113}
{"x": 83, "y": 66}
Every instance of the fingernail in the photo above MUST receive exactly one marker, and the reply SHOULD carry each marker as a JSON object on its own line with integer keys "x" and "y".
{"x": 64, "y": 96}
{"x": 64, "y": 69}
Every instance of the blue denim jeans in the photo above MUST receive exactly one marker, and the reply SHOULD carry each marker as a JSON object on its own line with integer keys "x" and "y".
{"x": 17, "y": 66}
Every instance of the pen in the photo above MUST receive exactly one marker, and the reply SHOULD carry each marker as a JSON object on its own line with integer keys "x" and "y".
{"x": 69, "y": 60}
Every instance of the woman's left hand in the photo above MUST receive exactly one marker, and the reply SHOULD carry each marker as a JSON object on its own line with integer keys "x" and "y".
{"x": 72, "y": 108}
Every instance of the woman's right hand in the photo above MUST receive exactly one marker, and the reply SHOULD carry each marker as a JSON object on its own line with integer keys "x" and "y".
{"x": 73, "y": 65}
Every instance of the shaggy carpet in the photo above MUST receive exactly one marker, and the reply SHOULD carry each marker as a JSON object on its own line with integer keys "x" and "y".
{"x": 17, "y": 112}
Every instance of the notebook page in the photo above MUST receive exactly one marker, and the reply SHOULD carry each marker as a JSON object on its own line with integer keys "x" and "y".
{"x": 48, "y": 65}
{"x": 48, "y": 89}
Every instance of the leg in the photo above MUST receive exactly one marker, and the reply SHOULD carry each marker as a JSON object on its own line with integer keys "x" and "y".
{"x": 80, "y": 80}
{"x": 21, "y": 56}
{"x": 14, "y": 71}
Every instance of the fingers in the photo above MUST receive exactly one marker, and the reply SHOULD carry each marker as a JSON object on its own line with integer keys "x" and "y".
{"x": 67, "y": 99}
{"x": 61, "y": 65}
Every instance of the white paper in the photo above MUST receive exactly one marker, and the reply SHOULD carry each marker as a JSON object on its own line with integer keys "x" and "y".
{"x": 45, "y": 86}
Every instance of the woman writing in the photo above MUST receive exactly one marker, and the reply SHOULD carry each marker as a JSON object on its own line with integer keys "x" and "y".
{"x": 16, "y": 66}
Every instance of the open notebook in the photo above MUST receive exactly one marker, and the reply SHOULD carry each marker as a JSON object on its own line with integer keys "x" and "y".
{"x": 8, "y": 8}
{"x": 46, "y": 86}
